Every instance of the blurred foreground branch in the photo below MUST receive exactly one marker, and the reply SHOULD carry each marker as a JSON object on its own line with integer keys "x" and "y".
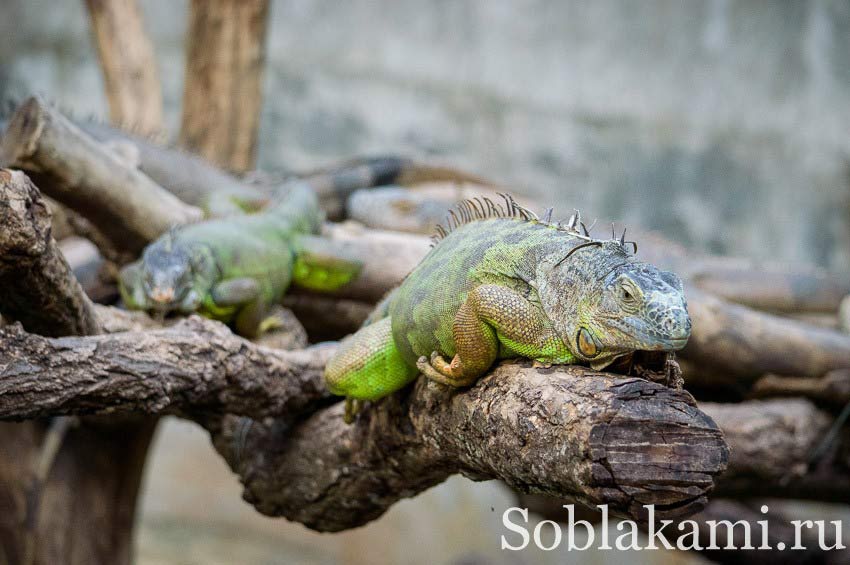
{"x": 67, "y": 164}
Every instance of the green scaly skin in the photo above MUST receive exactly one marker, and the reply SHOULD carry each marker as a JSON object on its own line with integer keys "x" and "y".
{"x": 503, "y": 284}
{"x": 236, "y": 269}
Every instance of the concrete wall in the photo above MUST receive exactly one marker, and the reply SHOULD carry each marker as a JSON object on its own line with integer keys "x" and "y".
{"x": 722, "y": 123}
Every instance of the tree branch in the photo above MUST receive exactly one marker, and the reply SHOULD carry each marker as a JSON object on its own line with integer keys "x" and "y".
{"x": 195, "y": 366}
{"x": 739, "y": 345}
{"x": 566, "y": 431}
{"x": 39, "y": 289}
{"x": 772, "y": 448}
{"x": 223, "y": 91}
{"x": 123, "y": 203}
{"x": 128, "y": 63}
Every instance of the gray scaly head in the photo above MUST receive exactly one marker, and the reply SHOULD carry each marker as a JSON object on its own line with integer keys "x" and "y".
{"x": 174, "y": 275}
{"x": 606, "y": 304}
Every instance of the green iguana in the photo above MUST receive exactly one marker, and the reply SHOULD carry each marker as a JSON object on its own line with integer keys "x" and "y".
{"x": 500, "y": 283}
{"x": 235, "y": 268}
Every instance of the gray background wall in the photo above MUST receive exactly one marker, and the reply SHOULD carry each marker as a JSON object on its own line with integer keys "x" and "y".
{"x": 722, "y": 123}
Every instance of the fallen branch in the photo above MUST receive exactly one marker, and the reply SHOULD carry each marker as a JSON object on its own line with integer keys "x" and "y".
{"x": 772, "y": 447}
{"x": 123, "y": 203}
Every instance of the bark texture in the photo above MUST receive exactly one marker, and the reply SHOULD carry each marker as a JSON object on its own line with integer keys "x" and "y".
{"x": 128, "y": 63}
{"x": 588, "y": 436}
{"x": 568, "y": 431}
{"x": 194, "y": 367}
{"x": 68, "y": 165}
{"x": 777, "y": 450}
{"x": 224, "y": 71}
{"x": 54, "y": 474}
{"x": 38, "y": 286}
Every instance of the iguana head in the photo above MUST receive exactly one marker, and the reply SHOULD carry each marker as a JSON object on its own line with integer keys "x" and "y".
{"x": 170, "y": 276}
{"x": 605, "y": 304}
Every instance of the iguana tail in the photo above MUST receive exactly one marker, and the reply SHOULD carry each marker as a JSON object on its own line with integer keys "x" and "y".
{"x": 334, "y": 185}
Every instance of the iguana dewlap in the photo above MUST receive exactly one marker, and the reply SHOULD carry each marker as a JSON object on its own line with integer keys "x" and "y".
{"x": 501, "y": 284}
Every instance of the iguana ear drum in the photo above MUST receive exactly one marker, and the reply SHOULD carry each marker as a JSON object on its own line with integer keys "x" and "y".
{"x": 588, "y": 345}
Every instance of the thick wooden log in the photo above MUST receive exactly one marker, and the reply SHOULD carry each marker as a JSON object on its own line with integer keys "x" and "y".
{"x": 776, "y": 450}
{"x": 68, "y": 165}
{"x": 50, "y": 470}
{"x": 566, "y": 431}
{"x": 591, "y": 437}
{"x": 128, "y": 63}
{"x": 222, "y": 95}
{"x": 39, "y": 288}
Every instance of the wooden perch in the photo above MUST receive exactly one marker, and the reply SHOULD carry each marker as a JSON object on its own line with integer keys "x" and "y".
{"x": 772, "y": 443}
{"x": 195, "y": 366}
{"x": 595, "y": 438}
{"x": 128, "y": 63}
{"x": 123, "y": 203}
{"x": 740, "y": 344}
{"x": 565, "y": 431}
{"x": 39, "y": 289}
{"x": 222, "y": 95}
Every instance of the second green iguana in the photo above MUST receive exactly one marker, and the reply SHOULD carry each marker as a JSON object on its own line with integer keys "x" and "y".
{"x": 500, "y": 283}
{"x": 236, "y": 268}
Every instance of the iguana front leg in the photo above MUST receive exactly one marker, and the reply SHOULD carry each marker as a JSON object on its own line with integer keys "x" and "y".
{"x": 494, "y": 321}
{"x": 252, "y": 315}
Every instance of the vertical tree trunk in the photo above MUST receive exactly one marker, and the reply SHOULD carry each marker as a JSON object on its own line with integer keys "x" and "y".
{"x": 224, "y": 72}
{"x": 83, "y": 513}
{"x": 128, "y": 63}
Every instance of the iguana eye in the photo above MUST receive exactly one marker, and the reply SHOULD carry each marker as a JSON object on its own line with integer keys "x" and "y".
{"x": 627, "y": 293}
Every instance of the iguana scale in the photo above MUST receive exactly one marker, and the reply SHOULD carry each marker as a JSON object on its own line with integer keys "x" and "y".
{"x": 500, "y": 283}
